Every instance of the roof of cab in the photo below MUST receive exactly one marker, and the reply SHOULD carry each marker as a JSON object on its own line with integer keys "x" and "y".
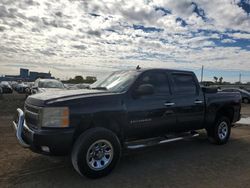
{"x": 164, "y": 69}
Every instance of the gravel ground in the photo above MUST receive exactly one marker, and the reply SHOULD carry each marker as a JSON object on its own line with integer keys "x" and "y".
{"x": 245, "y": 110}
{"x": 189, "y": 163}
{"x": 10, "y": 102}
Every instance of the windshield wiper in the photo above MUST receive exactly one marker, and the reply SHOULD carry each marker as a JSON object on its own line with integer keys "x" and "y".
{"x": 99, "y": 88}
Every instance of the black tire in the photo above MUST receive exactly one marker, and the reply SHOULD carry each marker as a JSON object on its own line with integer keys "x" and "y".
{"x": 83, "y": 147}
{"x": 218, "y": 136}
{"x": 245, "y": 100}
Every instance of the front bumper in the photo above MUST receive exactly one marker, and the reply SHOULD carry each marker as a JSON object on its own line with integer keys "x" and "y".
{"x": 49, "y": 141}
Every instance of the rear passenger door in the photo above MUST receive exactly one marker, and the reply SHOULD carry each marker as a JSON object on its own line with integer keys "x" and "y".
{"x": 188, "y": 100}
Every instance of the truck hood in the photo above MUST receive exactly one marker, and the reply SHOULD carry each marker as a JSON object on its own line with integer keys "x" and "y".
{"x": 49, "y": 97}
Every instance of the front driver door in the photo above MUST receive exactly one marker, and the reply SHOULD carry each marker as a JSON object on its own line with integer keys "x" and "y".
{"x": 150, "y": 115}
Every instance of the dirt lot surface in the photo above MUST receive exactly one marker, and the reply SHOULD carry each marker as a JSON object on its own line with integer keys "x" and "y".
{"x": 189, "y": 163}
{"x": 10, "y": 102}
{"x": 245, "y": 110}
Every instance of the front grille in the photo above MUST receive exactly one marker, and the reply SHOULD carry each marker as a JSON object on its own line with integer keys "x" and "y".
{"x": 32, "y": 116}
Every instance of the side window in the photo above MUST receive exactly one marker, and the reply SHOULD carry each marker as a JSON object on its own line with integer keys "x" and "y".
{"x": 184, "y": 84}
{"x": 158, "y": 80}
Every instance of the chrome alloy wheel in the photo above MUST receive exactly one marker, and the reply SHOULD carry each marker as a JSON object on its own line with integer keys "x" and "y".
{"x": 100, "y": 155}
{"x": 223, "y": 130}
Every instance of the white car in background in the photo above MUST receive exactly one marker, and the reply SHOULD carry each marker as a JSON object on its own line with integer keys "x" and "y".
{"x": 44, "y": 85}
{"x": 6, "y": 87}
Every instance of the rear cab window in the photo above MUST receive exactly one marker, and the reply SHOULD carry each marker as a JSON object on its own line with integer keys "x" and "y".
{"x": 184, "y": 84}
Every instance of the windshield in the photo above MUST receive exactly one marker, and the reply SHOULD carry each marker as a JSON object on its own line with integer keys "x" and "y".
{"x": 117, "y": 81}
{"x": 50, "y": 84}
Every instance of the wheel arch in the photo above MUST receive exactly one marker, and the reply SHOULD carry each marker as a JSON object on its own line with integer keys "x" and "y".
{"x": 112, "y": 124}
{"x": 227, "y": 111}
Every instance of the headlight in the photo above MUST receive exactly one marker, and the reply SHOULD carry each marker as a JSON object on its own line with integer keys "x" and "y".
{"x": 55, "y": 117}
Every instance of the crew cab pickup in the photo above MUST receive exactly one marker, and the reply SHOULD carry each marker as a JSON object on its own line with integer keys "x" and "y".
{"x": 127, "y": 110}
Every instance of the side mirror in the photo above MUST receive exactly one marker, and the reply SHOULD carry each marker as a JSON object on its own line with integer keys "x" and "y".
{"x": 144, "y": 89}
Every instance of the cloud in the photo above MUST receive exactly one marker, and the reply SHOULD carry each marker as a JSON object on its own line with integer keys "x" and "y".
{"x": 5, "y": 13}
{"x": 94, "y": 33}
{"x": 107, "y": 35}
{"x": 2, "y": 28}
{"x": 47, "y": 52}
{"x": 59, "y": 14}
{"x": 240, "y": 35}
{"x": 80, "y": 47}
{"x": 228, "y": 41}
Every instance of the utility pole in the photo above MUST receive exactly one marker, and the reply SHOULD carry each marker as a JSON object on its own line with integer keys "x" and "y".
{"x": 240, "y": 78}
{"x": 202, "y": 69}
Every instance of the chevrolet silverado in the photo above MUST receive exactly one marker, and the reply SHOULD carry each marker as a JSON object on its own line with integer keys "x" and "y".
{"x": 128, "y": 110}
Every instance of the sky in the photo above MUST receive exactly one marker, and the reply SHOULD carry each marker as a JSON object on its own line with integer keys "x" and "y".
{"x": 96, "y": 37}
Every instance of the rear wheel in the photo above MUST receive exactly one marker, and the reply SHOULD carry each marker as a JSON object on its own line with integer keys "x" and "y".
{"x": 96, "y": 153}
{"x": 245, "y": 100}
{"x": 220, "y": 132}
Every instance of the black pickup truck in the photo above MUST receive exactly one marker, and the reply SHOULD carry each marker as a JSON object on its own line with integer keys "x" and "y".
{"x": 128, "y": 110}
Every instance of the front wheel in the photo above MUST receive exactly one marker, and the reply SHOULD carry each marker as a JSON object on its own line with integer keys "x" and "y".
{"x": 96, "y": 152}
{"x": 219, "y": 133}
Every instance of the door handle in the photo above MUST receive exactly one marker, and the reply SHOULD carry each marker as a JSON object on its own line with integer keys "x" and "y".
{"x": 169, "y": 104}
{"x": 198, "y": 102}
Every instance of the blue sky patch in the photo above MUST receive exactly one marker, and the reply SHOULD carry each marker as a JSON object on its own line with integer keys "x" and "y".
{"x": 164, "y": 10}
{"x": 245, "y": 5}
{"x": 181, "y": 21}
{"x": 199, "y": 11}
{"x": 94, "y": 14}
{"x": 147, "y": 29}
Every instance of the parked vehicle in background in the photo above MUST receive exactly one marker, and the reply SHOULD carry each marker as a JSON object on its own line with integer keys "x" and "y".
{"x": 245, "y": 95}
{"x": 129, "y": 109}
{"x": 79, "y": 86}
{"x": 6, "y": 88}
{"x": 43, "y": 85}
{"x": 13, "y": 84}
{"x": 22, "y": 88}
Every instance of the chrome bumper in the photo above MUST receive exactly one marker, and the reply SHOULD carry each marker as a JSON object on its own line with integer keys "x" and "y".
{"x": 19, "y": 127}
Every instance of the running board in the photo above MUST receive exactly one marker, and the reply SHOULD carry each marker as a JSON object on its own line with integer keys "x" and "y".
{"x": 157, "y": 141}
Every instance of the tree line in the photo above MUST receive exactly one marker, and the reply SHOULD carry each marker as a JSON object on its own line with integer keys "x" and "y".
{"x": 81, "y": 80}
